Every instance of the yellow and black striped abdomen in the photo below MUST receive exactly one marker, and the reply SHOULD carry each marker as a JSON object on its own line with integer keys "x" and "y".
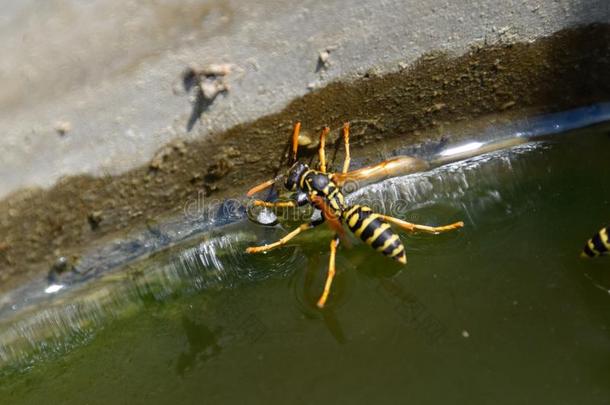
{"x": 374, "y": 231}
{"x": 598, "y": 244}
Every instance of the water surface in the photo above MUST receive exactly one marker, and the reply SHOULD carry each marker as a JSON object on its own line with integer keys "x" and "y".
{"x": 503, "y": 311}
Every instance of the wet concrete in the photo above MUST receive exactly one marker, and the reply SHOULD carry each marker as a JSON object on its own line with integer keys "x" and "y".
{"x": 417, "y": 102}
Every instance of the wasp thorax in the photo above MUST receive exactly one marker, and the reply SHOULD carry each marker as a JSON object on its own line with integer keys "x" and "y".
{"x": 294, "y": 175}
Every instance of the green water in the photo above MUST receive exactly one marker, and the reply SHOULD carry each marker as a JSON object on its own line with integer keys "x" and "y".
{"x": 503, "y": 311}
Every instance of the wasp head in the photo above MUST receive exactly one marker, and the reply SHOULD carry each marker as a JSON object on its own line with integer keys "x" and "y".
{"x": 294, "y": 175}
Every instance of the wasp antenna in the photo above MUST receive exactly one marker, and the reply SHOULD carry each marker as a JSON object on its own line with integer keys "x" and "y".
{"x": 264, "y": 185}
{"x": 347, "y": 160}
{"x": 321, "y": 153}
{"x": 295, "y": 140}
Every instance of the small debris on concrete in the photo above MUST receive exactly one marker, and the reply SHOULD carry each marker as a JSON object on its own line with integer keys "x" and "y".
{"x": 218, "y": 170}
{"x": 63, "y": 127}
{"x": 324, "y": 58}
{"x": 95, "y": 219}
{"x": 217, "y": 69}
{"x": 163, "y": 154}
{"x": 210, "y": 88}
{"x": 210, "y": 79}
{"x": 157, "y": 161}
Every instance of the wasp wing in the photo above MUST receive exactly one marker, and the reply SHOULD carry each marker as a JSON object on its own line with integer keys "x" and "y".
{"x": 396, "y": 166}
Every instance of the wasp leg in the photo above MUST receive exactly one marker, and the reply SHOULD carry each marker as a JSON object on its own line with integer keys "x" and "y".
{"x": 321, "y": 152}
{"x": 346, "y": 143}
{"x": 261, "y": 187}
{"x": 408, "y": 226}
{"x": 295, "y": 139}
{"x": 331, "y": 272}
{"x": 275, "y": 204}
{"x": 285, "y": 239}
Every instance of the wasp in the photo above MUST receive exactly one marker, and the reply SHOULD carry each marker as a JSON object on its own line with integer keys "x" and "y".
{"x": 598, "y": 245}
{"x": 323, "y": 191}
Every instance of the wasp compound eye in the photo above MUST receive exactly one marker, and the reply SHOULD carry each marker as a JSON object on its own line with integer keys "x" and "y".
{"x": 294, "y": 174}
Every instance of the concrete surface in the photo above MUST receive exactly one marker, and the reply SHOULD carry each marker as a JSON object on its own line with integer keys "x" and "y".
{"x": 109, "y": 72}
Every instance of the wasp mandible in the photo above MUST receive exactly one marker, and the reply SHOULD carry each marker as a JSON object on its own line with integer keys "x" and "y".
{"x": 323, "y": 191}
